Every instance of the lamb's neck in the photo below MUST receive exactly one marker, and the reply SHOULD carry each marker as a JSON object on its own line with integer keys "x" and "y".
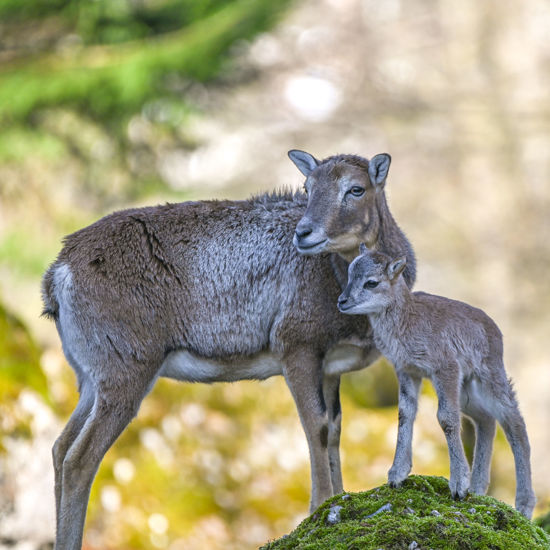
{"x": 390, "y": 325}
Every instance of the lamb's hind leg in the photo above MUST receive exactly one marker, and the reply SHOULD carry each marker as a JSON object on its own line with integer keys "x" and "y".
{"x": 509, "y": 417}
{"x": 113, "y": 408}
{"x": 448, "y": 414}
{"x": 473, "y": 405}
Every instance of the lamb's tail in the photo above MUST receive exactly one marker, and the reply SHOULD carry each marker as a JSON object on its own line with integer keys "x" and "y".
{"x": 51, "y": 305}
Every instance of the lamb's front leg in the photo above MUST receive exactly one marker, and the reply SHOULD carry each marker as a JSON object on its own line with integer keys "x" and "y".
{"x": 408, "y": 404}
{"x": 448, "y": 415}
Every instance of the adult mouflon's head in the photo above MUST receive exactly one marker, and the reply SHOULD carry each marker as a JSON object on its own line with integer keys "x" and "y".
{"x": 372, "y": 278}
{"x": 343, "y": 206}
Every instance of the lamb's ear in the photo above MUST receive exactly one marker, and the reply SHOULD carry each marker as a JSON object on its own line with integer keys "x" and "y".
{"x": 363, "y": 248}
{"x": 305, "y": 162}
{"x": 379, "y": 166}
{"x": 396, "y": 267}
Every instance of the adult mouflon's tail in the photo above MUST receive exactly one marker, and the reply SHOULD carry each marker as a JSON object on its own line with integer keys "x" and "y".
{"x": 51, "y": 305}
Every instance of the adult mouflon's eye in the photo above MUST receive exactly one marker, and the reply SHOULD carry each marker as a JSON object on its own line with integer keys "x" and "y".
{"x": 370, "y": 284}
{"x": 356, "y": 191}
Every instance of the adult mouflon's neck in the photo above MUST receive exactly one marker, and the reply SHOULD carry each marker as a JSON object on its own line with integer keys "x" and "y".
{"x": 386, "y": 236}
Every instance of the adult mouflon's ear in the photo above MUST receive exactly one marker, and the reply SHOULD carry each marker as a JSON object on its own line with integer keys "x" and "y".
{"x": 363, "y": 248}
{"x": 378, "y": 169}
{"x": 305, "y": 162}
{"x": 396, "y": 267}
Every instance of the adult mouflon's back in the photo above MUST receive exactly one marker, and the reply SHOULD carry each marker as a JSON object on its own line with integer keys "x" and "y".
{"x": 219, "y": 279}
{"x": 213, "y": 291}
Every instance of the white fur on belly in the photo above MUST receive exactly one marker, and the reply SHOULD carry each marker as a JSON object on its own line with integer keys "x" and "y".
{"x": 185, "y": 366}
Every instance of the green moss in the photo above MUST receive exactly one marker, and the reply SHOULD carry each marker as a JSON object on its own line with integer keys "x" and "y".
{"x": 543, "y": 521}
{"x": 421, "y": 511}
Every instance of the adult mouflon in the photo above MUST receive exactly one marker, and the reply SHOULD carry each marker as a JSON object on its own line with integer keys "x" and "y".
{"x": 459, "y": 348}
{"x": 215, "y": 291}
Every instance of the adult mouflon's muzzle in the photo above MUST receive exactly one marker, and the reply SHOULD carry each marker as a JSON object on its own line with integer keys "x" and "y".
{"x": 307, "y": 239}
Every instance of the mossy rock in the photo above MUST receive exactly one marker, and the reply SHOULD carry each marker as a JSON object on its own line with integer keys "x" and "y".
{"x": 420, "y": 515}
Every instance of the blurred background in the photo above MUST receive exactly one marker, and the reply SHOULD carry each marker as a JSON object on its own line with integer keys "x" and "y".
{"x": 106, "y": 104}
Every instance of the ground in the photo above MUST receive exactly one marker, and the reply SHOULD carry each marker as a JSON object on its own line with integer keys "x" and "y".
{"x": 420, "y": 515}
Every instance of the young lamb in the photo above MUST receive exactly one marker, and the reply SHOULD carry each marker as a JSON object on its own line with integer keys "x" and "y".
{"x": 459, "y": 348}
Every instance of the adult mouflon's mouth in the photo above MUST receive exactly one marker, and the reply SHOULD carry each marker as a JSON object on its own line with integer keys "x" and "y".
{"x": 306, "y": 248}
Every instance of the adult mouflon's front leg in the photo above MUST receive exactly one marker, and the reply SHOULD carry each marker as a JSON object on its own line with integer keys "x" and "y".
{"x": 303, "y": 374}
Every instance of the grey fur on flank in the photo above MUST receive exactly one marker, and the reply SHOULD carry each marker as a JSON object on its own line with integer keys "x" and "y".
{"x": 459, "y": 348}
{"x": 215, "y": 291}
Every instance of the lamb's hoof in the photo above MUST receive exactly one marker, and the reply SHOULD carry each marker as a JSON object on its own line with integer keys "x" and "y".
{"x": 525, "y": 505}
{"x": 459, "y": 489}
{"x": 395, "y": 481}
{"x": 479, "y": 488}
{"x": 395, "y": 484}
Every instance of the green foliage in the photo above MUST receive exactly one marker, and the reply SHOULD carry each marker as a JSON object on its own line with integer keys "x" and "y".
{"x": 109, "y": 82}
{"x": 421, "y": 511}
{"x": 111, "y": 21}
{"x": 77, "y": 73}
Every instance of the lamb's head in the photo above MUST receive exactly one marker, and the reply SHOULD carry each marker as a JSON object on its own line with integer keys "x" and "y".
{"x": 372, "y": 280}
{"x": 344, "y": 194}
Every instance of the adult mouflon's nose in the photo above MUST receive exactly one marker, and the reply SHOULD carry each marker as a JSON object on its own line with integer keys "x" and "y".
{"x": 309, "y": 238}
{"x": 303, "y": 230}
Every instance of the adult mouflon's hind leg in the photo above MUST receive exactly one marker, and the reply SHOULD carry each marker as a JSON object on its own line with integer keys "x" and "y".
{"x": 331, "y": 393}
{"x": 68, "y": 435}
{"x": 114, "y": 406}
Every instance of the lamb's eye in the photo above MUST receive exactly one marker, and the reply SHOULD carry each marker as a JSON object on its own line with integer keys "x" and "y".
{"x": 356, "y": 191}
{"x": 370, "y": 284}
